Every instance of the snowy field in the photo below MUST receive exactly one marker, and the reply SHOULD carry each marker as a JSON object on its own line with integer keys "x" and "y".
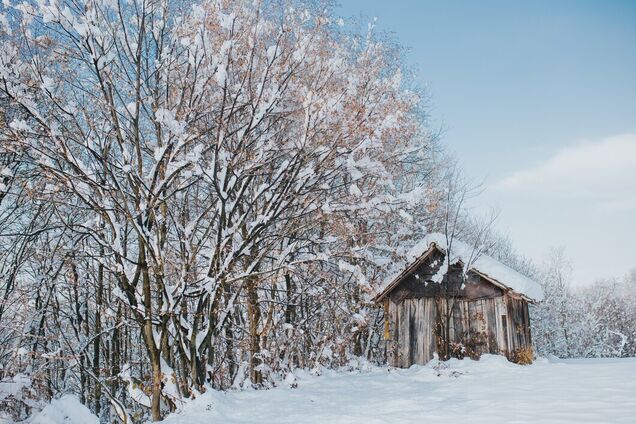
{"x": 489, "y": 391}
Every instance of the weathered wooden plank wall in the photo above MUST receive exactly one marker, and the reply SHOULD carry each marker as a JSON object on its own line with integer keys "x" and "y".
{"x": 518, "y": 323}
{"x": 489, "y": 325}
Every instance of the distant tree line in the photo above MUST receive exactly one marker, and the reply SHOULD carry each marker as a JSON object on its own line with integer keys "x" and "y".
{"x": 577, "y": 321}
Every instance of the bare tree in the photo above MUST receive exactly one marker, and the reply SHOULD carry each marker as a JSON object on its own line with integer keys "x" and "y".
{"x": 453, "y": 273}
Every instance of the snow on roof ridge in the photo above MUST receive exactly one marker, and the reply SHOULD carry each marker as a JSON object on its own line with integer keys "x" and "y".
{"x": 473, "y": 259}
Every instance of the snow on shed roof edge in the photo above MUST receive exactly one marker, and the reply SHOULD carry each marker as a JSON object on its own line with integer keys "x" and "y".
{"x": 489, "y": 267}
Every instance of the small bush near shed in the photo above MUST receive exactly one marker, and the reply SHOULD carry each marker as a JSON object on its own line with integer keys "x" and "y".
{"x": 522, "y": 356}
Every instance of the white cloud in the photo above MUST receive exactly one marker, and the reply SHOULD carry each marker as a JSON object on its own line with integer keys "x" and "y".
{"x": 602, "y": 172}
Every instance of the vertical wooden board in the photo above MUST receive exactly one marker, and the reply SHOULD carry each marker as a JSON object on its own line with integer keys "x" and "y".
{"x": 428, "y": 329}
{"x": 407, "y": 334}
{"x": 429, "y": 309}
{"x": 422, "y": 327}
{"x": 443, "y": 310}
{"x": 417, "y": 334}
{"x": 392, "y": 320}
{"x": 511, "y": 324}
{"x": 453, "y": 313}
{"x": 413, "y": 331}
{"x": 395, "y": 321}
{"x": 522, "y": 324}
{"x": 421, "y": 330}
{"x": 405, "y": 340}
{"x": 416, "y": 320}
{"x": 418, "y": 345}
{"x": 462, "y": 322}
{"x": 484, "y": 325}
{"x": 473, "y": 324}
{"x": 409, "y": 331}
{"x": 466, "y": 323}
{"x": 398, "y": 334}
{"x": 387, "y": 320}
{"x": 502, "y": 327}
{"x": 424, "y": 330}
{"x": 515, "y": 328}
{"x": 477, "y": 331}
{"x": 529, "y": 333}
{"x": 392, "y": 342}
{"x": 504, "y": 330}
{"x": 451, "y": 322}
{"x": 457, "y": 320}
{"x": 403, "y": 333}
{"x": 515, "y": 323}
{"x": 472, "y": 313}
{"x": 434, "y": 317}
{"x": 483, "y": 328}
{"x": 491, "y": 321}
{"x": 519, "y": 322}
{"x": 521, "y": 327}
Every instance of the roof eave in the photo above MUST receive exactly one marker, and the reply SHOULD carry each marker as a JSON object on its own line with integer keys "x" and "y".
{"x": 499, "y": 284}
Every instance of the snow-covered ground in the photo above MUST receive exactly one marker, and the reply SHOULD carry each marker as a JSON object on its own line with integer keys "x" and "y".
{"x": 488, "y": 391}
{"x": 65, "y": 410}
{"x": 491, "y": 391}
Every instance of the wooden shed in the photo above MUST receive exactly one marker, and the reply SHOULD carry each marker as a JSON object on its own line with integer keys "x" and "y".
{"x": 457, "y": 304}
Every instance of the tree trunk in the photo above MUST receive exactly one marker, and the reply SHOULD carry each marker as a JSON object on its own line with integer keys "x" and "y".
{"x": 98, "y": 329}
{"x": 151, "y": 345}
{"x": 155, "y": 366}
{"x": 254, "y": 316}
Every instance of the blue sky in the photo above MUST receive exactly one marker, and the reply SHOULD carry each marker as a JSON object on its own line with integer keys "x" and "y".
{"x": 538, "y": 101}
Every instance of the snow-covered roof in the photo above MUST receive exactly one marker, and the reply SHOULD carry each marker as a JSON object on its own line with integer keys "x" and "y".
{"x": 473, "y": 259}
